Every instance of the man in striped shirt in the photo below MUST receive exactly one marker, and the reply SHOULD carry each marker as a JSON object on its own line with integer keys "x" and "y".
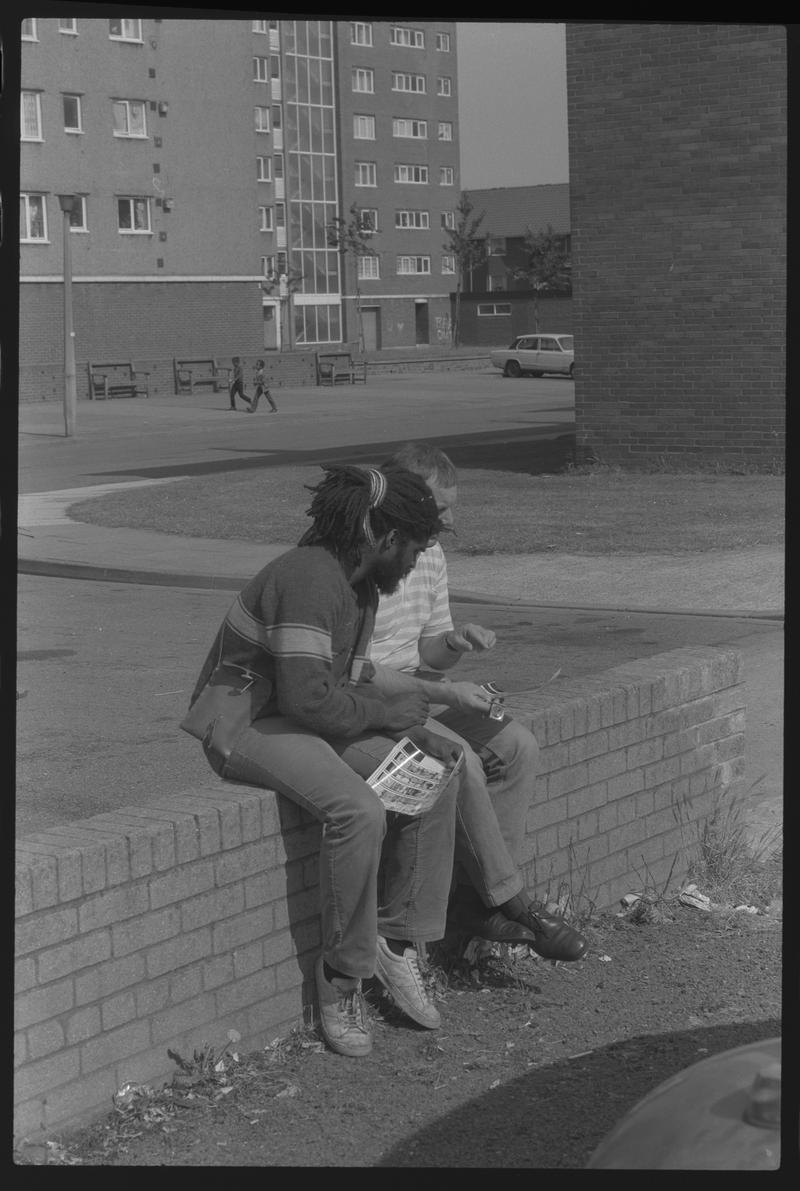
{"x": 319, "y": 724}
{"x": 414, "y": 633}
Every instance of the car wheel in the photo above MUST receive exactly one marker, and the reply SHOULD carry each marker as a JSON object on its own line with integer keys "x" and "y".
{"x": 513, "y": 368}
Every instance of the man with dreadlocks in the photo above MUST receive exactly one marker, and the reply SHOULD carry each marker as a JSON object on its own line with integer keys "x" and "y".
{"x": 300, "y": 629}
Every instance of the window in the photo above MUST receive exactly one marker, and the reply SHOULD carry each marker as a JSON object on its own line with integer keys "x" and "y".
{"x": 411, "y": 173}
{"x": 268, "y": 266}
{"x": 369, "y": 268}
{"x": 129, "y": 30}
{"x": 413, "y": 264}
{"x": 274, "y": 66}
{"x": 129, "y": 118}
{"x": 486, "y": 309}
{"x": 448, "y": 263}
{"x": 278, "y": 165}
{"x": 445, "y": 131}
{"x": 446, "y": 175}
{"x": 363, "y": 79}
{"x": 401, "y": 35}
{"x": 276, "y": 115}
{"x": 280, "y": 214}
{"x": 72, "y": 113}
{"x": 449, "y": 219}
{"x": 418, "y": 129}
{"x": 360, "y": 33}
{"x": 30, "y": 116}
{"x": 32, "y": 217}
{"x": 408, "y": 82}
{"x": 497, "y": 245}
{"x": 443, "y": 43}
{"x": 412, "y": 219}
{"x": 133, "y": 215}
{"x": 364, "y": 128}
{"x": 366, "y": 173}
{"x": 265, "y": 219}
{"x": 282, "y": 263}
{"x": 77, "y": 216}
{"x": 368, "y": 220}
{"x": 29, "y": 33}
{"x": 263, "y": 169}
{"x": 261, "y": 119}
{"x": 444, "y": 86}
{"x": 68, "y": 25}
{"x": 260, "y": 26}
{"x": 260, "y": 70}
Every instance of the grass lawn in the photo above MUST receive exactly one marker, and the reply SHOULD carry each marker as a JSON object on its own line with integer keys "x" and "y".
{"x": 592, "y": 511}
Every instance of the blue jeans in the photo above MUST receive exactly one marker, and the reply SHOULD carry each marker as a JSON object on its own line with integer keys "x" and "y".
{"x": 416, "y": 853}
{"x": 490, "y": 817}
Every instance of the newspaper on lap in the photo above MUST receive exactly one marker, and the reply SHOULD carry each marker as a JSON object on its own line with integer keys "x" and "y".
{"x": 408, "y": 781}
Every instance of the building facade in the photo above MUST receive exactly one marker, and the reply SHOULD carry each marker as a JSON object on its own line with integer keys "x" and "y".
{"x": 678, "y": 156}
{"x": 497, "y": 304}
{"x": 208, "y": 159}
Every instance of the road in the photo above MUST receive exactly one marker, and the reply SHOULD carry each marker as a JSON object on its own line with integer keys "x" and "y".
{"x": 107, "y": 669}
{"x": 480, "y": 416}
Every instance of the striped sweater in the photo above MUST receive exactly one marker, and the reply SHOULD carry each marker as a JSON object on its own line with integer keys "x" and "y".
{"x": 300, "y": 626}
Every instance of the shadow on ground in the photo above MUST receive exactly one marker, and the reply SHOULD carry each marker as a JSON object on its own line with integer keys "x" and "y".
{"x": 527, "y": 1123}
{"x": 517, "y": 452}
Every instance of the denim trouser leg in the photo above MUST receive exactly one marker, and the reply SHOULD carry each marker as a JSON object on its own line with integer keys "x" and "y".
{"x": 324, "y": 779}
{"x": 490, "y": 819}
{"x": 277, "y": 755}
{"x": 418, "y": 856}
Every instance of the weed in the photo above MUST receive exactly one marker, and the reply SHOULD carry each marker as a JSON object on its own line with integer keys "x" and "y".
{"x": 728, "y": 864}
{"x": 653, "y": 904}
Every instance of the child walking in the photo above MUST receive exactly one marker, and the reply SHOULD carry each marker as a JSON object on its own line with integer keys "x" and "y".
{"x": 261, "y": 389}
{"x": 237, "y": 384}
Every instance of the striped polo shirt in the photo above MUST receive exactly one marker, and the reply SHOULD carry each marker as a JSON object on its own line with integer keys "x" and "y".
{"x": 419, "y": 608}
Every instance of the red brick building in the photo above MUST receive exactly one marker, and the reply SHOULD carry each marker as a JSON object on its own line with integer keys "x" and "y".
{"x": 678, "y": 147}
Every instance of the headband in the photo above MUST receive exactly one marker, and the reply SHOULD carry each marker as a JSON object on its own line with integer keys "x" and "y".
{"x": 377, "y": 492}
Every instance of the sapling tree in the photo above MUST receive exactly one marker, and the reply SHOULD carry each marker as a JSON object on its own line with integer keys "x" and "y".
{"x": 351, "y": 239}
{"x": 547, "y": 268}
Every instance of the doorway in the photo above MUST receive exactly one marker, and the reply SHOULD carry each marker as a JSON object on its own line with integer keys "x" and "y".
{"x": 270, "y": 327}
{"x": 371, "y": 325}
{"x": 421, "y": 323}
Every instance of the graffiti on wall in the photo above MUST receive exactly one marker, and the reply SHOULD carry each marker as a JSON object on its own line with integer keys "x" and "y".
{"x": 442, "y": 328}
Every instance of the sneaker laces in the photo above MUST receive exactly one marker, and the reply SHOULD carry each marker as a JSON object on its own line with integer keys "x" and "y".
{"x": 352, "y": 1008}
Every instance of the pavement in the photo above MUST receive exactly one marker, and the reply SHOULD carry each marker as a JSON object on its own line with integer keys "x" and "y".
{"x": 739, "y": 584}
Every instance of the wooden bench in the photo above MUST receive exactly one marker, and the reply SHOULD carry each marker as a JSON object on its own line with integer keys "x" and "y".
{"x": 340, "y": 367}
{"x": 117, "y": 378}
{"x": 206, "y": 371}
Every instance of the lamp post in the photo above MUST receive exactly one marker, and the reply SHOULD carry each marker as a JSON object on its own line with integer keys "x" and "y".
{"x": 67, "y": 203}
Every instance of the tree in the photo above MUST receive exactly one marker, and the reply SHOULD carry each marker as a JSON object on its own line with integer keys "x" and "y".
{"x": 547, "y": 268}
{"x": 286, "y": 284}
{"x": 350, "y": 237}
{"x": 468, "y": 248}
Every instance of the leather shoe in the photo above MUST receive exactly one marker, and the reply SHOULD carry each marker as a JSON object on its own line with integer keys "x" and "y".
{"x": 553, "y": 938}
{"x": 496, "y": 928}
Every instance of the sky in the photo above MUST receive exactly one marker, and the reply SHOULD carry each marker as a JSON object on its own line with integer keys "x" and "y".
{"x": 512, "y": 104}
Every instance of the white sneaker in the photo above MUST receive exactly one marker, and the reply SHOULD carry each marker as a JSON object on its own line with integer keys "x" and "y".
{"x": 401, "y": 975}
{"x": 342, "y": 1014}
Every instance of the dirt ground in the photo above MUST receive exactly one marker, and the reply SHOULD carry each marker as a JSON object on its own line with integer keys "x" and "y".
{"x": 534, "y": 1063}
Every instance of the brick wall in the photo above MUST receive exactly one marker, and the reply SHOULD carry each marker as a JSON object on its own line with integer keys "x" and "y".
{"x": 167, "y": 925}
{"x": 678, "y": 214}
{"x": 497, "y": 330}
{"x": 149, "y": 323}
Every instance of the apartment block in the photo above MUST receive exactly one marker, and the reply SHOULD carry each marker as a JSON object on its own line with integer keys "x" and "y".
{"x": 208, "y": 160}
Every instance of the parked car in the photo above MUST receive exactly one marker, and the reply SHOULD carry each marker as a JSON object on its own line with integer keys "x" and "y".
{"x": 533, "y": 355}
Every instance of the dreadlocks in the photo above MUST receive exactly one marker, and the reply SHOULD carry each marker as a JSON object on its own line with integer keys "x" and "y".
{"x": 354, "y": 506}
